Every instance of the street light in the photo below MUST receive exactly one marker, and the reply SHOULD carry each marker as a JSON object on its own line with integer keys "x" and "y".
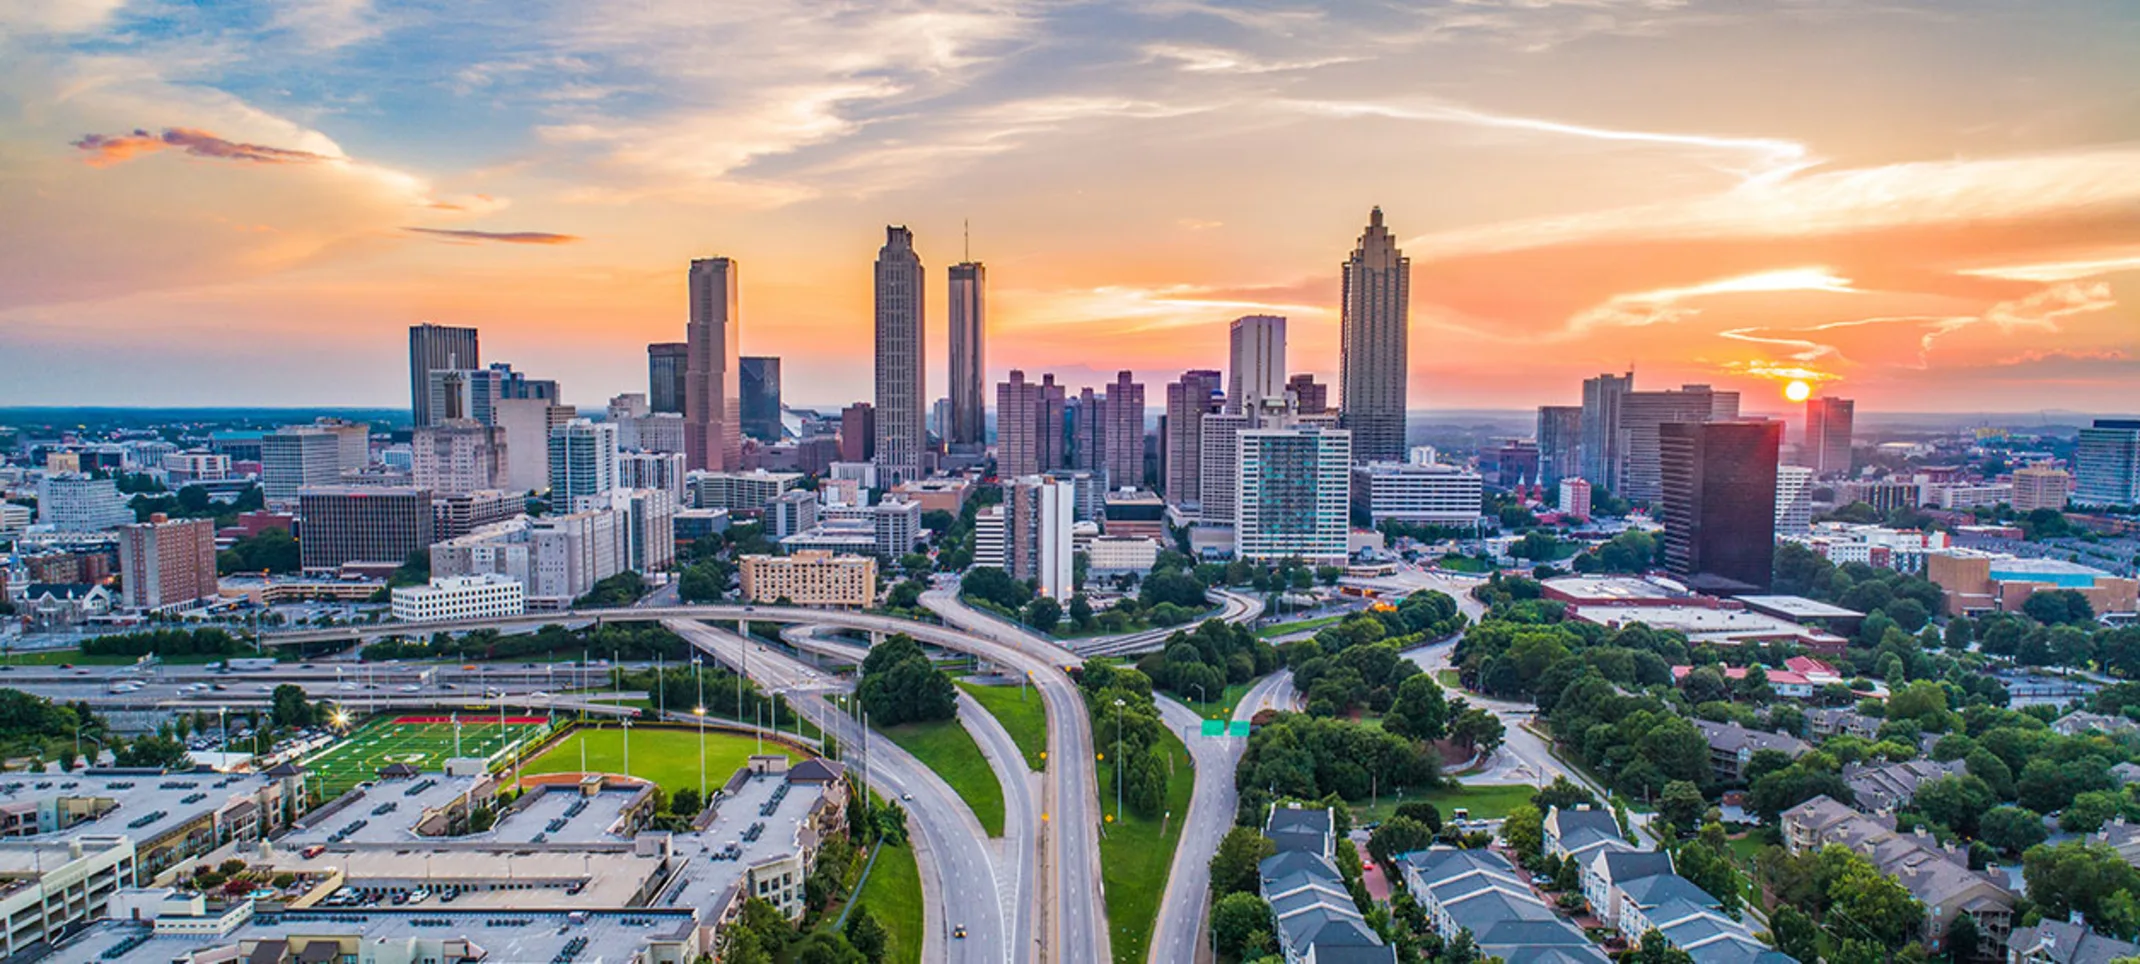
{"x": 1119, "y": 704}
{"x": 1200, "y": 697}
{"x": 700, "y": 712}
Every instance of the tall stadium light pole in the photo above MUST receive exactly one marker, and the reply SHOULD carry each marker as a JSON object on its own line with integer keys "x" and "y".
{"x": 700, "y": 712}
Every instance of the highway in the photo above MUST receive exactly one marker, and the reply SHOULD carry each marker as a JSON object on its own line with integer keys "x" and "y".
{"x": 1073, "y": 925}
{"x": 960, "y": 886}
{"x": 1234, "y": 608}
{"x": 817, "y": 641}
{"x": 1178, "y": 935}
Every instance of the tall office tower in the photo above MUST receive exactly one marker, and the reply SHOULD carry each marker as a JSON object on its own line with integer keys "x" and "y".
{"x": 968, "y": 311}
{"x": 512, "y": 384}
{"x": 1054, "y": 446}
{"x": 75, "y": 502}
{"x": 1295, "y": 493}
{"x": 1372, "y": 344}
{"x": 1794, "y": 499}
{"x": 292, "y": 458}
{"x": 761, "y": 398}
{"x": 713, "y": 440}
{"x": 166, "y": 562}
{"x": 2106, "y": 464}
{"x": 1598, "y": 457}
{"x": 433, "y": 348}
{"x": 1039, "y": 516}
{"x": 372, "y": 524}
{"x": 1088, "y": 431}
{"x": 1828, "y": 430}
{"x": 354, "y": 440}
{"x": 458, "y": 456}
{"x": 667, "y": 363}
{"x": 525, "y": 424}
{"x": 1189, "y": 399}
{"x": 1560, "y": 432}
{"x": 1255, "y": 360}
{"x": 858, "y": 432}
{"x": 583, "y": 460}
{"x": 1640, "y": 415}
{"x": 1021, "y": 413}
{"x": 902, "y": 363}
{"x": 1123, "y": 433}
{"x": 1718, "y": 502}
{"x": 628, "y": 406}
{"x": 1310, "y": 397}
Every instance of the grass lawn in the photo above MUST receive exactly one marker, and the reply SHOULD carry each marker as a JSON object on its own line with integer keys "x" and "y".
{"x": 1486, "y": 802}
{"x": 667, "y": 757}
{"x": 425, "y": 741}
{"x": 945, "y": 747}
{"x": 1221, "y": 708}
{"x": 1022, "y": 712}
{"x": 1301, "y": 626}
{"x": 1136, "y": 854}
{"x": 893, "y": 894}
{"x": 1463, "y": 564}
{"x": 1449, "y": 679}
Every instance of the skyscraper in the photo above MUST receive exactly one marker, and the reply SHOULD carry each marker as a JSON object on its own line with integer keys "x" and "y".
{"x": 1295, "y": 493}
{"x": 1255, "y": 361}
{"x": 1373, "y": 343}
{"x": 1718, "y": 502}
{"x": 968, "y": 312}
{"x": 583, "y": 461}
{"x": 2106, "y": 463}
{"x": 713, "y": 439}
{"x": 297, "y": 456}
{"x": 1794, "y": 499}
{"x": 1123, "y": 434}
{"x": 1195, "y": 395}
{"x": 1029, "y": 426}
{"x": 431, "y": 348}
{"x": 1600, "y": 440}
{"x": 1088, "y": 431}
{"x": 458, "y": 456}
{"x": 666, "y": 365}
{"x": 1311, "y": 397}
{"x": 1641, "y": 413}
{"x": 1828, "y": 431}
{"x": 858, "y": 432}
{"x": 902, "y": 372}
{"x": 1560, "y": 433}
{"x": 1038, "y": 520}
{"x": 760, "y": 398}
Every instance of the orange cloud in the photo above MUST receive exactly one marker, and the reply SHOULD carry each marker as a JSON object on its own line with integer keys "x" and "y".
{"x": 502, "y": 237}
{"x": 108, "y": 149}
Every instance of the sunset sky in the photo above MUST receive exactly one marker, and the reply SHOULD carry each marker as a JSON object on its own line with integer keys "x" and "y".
{"x": 1928, "y": 205}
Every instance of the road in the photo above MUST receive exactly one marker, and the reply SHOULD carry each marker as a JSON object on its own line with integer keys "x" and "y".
{"x": 817, "y": 640}
{"x": 959, "y": 881}
{"x": 1178, "y": 934}
{"x": 1073, "y": 927}
{"x": 1234, "y": 607}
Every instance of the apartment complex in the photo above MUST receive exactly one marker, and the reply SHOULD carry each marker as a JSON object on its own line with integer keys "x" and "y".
{"x": 811, "y": 578}
{"x": 167, "y": 562}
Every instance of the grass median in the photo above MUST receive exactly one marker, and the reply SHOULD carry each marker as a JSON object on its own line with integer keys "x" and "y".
{"x": 1023, "y": 714}
{"x": 893, "y": 894}
{"x": 1301, "y": 625}
{"x": 1137, "y": 853}
{"x": 945, "y": 747}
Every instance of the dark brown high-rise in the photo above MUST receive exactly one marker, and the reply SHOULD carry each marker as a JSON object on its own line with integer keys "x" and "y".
{"x": 1719, "y": 502}
{"x": 713, "y": 432}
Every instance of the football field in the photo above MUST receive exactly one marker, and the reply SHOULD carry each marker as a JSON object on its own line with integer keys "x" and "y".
{"x": 424, "y": 742}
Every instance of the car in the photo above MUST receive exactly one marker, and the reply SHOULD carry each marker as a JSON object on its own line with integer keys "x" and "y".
{"x": 412, "y": 688}
{"x": 906, "y": 796}
{"x": 959, "y": 932}
{"x": 66, "y": 666}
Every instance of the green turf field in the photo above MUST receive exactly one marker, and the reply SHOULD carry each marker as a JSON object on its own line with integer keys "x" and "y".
{"x": 667, "y": 757}
{"x": 425, "y": 741}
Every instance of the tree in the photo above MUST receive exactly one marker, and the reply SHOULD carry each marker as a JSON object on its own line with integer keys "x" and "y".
{"x": 2059, "y": 607}
{"x": 1561, "y": 794}
{"x": 1398, "y": 836}
{"x": 1233, "y": 867}
{"x": 1962, "y": 939}
{"x": 995, "y": 586}
{"x": 2089, "y": 812}
{"x": 1712, "y": 871}
{"x": 1955, "y": 802}
{"x": 289, "y": 707}
{"x": 1423, "y": 812}
{"x": 1524, "y": 829}
{"x": 1795, "y": 933}
{"x": 1043, "y": 613}
{"x": 1081, "y": 611}
{"x": 1479, "y": 730}
{"x": 867, "y": 934}
{"x": 1241, "y": 925}
{"x": 826, "y": 947}
{"x": 900, "y": 685}
{"x": 686, "y": 802}
{"x": 1681, "y": 805}
{"x": 2012, "y": 829}
{"x": 1876, "y": 903}
{"x": 2089, "y": 878}
{"x": 1419, "y": 712}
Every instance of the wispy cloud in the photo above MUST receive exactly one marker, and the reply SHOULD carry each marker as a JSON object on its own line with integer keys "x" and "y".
{"x": 500, "y": 237}
{"x": 108, "y": 149}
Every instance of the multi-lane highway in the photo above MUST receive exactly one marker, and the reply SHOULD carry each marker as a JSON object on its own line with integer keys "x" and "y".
{"x": 1234, "y": 607}
{"x": 961, "y": 887}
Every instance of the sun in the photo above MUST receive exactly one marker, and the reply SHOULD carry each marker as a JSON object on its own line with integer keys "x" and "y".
{"x": 1797, "y": 391}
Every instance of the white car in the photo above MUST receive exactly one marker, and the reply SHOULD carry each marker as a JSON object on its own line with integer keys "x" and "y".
{"x": 412, "y": 688}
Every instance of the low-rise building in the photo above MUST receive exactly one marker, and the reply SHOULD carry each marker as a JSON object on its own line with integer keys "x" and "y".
{"x": 1579, "y": 831}
{"x": 1938, "y": 876}
{"x": 1732, "y": 745}
{"x": 2081, "y": 721}
{"x": 485, "y": 596}
{"x": 1785, "y": 683}
{"x": 1480, "y": 892}
{"x": 1110, "y": 554}
{"x": 2065, "y": 942}
{"x": 1888, "y": 787}
{"x": 811, "y": 577}
{"x": 1824, "y": 722}
{"x": 1977, "y": 581}
{"x": 739, "y": 491}
{"x": 1310, "y": 904}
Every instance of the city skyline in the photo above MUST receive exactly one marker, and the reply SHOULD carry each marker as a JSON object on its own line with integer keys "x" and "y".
{"x": 1947, "y": 237}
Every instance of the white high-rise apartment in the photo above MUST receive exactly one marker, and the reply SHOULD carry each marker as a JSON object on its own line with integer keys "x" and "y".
{"x": 1794, "y": 499}
{"x": 1039, "y": 516}
{"x": 902, "y": 364}
{"x": 583, "y": 460}
{"x": 1373, "y": 344}
{"x": 1295, "y": 499}
{"x": 965, "y": 423}
{"x": 713, "y": 407}
{"x": 1255, "y": 361}
{"x": 653, "y": 470}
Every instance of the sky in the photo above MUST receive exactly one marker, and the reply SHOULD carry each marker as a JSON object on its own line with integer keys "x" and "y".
{"x": 1926, "y": 205}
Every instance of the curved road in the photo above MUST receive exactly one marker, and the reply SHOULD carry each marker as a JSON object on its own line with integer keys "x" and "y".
{"x": 1234, "y": 608}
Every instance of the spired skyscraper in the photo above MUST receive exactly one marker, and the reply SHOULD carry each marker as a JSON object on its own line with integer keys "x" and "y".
{"x": 1373, "y": 342}
{"x": 902, "y": 379}
{"x": 968, "y": 313}
{"x": 713, "y": 437}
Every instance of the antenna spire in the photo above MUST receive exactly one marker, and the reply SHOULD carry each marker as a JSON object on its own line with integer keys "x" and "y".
{"x": 966, "y": 232}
